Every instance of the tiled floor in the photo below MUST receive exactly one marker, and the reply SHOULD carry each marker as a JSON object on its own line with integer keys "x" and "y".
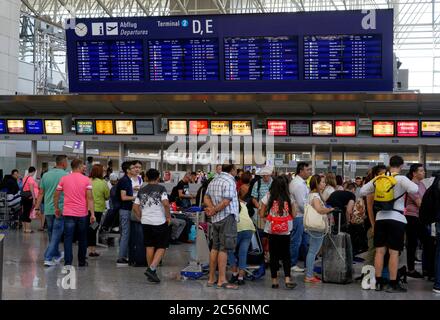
{"x": 25, "y": 278}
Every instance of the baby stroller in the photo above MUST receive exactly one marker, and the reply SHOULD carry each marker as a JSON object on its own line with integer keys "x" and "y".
{"x": 255, "y": 259}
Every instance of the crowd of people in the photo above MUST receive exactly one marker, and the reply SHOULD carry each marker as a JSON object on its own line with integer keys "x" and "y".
{"x": 238, "y": 205}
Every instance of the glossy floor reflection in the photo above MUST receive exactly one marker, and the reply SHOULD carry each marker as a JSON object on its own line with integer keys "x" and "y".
{"x": 25, "y": 277}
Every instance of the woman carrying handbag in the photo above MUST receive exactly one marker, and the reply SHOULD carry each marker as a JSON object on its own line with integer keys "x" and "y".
{"x": 316, "y": 224}
{"x": 278, "y": 208}
{"x": 28, "y": 198}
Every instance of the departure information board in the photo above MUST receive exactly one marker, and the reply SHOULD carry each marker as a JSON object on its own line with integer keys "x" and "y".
{"x": 342, "y": 51}
{"x": 336, "y": 57}
{"x": 261, "y": 58}
{"x": 183, "y": 59}
{"x": 110, "y": 61}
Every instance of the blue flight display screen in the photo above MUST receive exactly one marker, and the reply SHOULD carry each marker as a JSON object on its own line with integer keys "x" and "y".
{"x": 110, "y": 61}
{"x": 261, "y": 58}
{"x": 34, "y": 126}
{"x": 2, "y": 126}
{"x": 336, "y": 57}
{"x": 183, "y": 59}
{"x": 332, "y": 51}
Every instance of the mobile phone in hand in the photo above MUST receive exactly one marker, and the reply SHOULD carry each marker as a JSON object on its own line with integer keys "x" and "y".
{"x": 94, "y": 225}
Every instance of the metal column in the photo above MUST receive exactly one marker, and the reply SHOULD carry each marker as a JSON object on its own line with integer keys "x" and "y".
{"x": 330, "y": 156}
{"x": 85, "y": 151}
{"x": 121, "y": 154}
{"x": 343, "y": 166}
{"x": 313, "y": 159}
{"x": 34, "y": 153}
{"x": 161, "y": 161}
{"x": 422, "y": 155}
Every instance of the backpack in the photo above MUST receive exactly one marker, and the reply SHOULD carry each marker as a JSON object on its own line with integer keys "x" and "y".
{"x": 384, "y": 192}
{"x": 430, "y": 206}
{"x": 279, "y": 224}
{"x": 248, "y": 198}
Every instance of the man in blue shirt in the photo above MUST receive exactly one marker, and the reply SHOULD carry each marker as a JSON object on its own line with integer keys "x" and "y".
{"x": 124, "y": 194}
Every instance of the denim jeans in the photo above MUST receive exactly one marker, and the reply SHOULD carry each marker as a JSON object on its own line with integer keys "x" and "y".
{"x": 243, "y": 241}
{"x": 56, "y": 227}
{"x": 49, "y": 221}
{"x": 124, "y": 228}
{"x": 298, "y": 240}
{"x": 315, "y": 243}
{"x": 437, "y": 257}
{"x": 72, "y": 224}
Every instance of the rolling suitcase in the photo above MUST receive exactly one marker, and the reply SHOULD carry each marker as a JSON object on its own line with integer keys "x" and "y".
{"x": 337, "y": 257}
{"x": 136, "y": 249}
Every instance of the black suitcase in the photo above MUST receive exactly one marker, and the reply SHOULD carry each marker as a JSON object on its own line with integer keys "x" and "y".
{"x": 337, "y": 257}
{"x": 136, "y": 250}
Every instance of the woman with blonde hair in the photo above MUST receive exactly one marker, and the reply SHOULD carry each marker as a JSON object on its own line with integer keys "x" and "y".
{"x": 330, "y": 181}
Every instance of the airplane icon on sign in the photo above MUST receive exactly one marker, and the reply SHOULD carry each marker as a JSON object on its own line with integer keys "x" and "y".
{"x": 112, "y": 28}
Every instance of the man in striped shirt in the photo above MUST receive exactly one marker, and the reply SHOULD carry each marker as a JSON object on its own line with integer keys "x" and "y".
{"x": 222, "y": 205}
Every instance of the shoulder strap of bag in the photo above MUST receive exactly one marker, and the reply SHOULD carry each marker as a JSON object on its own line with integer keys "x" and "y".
{"x": 24, "y": 183}
{"x": 258, "y": 189}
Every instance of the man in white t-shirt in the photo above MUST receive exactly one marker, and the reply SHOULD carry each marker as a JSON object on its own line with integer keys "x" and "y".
{"x": 152, "y": 208}
{"x": 389, "y": 227}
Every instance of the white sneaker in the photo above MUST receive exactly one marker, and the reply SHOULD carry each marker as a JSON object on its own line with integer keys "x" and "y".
{"x": 61, "y": 257}
{"x": 436, "y": 290}
{"x": 297, "y": 269}
{"x": 48, "y": 263}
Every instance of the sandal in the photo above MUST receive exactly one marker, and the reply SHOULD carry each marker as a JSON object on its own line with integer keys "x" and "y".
{"x": 227, "y": 285}
{"x": 210, "y": 285}
{"x": 290, "y": 285}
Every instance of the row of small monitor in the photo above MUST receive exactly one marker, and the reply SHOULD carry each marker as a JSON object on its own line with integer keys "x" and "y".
{"x": 324, "y": 128}
{"x": 348, "y": 128}
{"x": 304, "y": 128}
{"x": 31, "y": 126}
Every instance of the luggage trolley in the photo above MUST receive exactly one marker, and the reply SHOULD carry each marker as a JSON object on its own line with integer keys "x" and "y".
{"x": 200, "y": 266}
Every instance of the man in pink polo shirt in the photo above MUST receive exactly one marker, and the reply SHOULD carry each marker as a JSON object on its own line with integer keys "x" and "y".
{"x": 78, "y": 201}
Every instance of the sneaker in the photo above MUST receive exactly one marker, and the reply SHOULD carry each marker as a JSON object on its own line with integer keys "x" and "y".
{"x": 435, "y": 290}
{"x": 152, "y": 275}
{"x": 398, "y": 288}
{"x": 297, "y": 269}
{"x": 49, "y": 263}
{"x": 83, "y": 264}
{"x": 122, "y": 262}
{"x": 61, "y": 257}
{"x": 312, "y": 280}
{"x": 414, "y": 274}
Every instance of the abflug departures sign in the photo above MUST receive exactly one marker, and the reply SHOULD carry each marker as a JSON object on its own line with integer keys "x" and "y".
{"x": 285, "y": 52}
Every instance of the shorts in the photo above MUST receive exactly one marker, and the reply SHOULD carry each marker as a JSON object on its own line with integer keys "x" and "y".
{"x": 224, "y": 234}
{"x": 390, "y": 234}
{"x": 156, "y": 236}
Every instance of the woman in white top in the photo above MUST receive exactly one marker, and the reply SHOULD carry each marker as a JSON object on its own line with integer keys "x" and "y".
{"x": 330, "y": 181}
{"x": 317, "y": 185}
